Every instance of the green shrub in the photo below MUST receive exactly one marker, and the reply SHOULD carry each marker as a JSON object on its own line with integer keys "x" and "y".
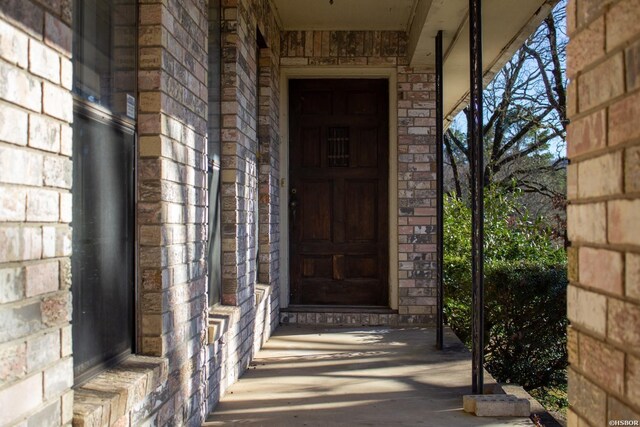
{"x": 525, "y": 291}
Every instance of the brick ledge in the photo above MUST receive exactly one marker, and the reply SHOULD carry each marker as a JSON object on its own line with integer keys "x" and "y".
{"x": 222, "y": 316}
{"x": 112, "y": 394}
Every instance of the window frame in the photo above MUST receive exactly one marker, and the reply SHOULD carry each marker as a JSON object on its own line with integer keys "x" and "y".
{"x": 97, "y": 113}
{"x": 214, "y": 167}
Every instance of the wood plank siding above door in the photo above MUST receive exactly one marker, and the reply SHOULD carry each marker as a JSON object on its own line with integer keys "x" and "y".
{"x": 338, "y": 213}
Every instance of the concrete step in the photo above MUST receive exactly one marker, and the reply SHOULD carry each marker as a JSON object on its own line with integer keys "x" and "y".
{"x": 496, "y": 405}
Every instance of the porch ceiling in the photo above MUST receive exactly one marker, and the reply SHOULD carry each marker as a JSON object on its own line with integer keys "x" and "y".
{"x": 506, "y": 24}
{"x": 354, "y": 15}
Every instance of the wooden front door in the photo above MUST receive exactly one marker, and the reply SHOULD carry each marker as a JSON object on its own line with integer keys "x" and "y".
{"x": 338, "y": 211}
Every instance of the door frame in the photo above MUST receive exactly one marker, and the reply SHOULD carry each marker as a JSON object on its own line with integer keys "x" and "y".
{"x": 307, "y": 72}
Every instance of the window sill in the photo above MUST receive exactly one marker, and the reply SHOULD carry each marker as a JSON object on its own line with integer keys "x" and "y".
{"x": 221, "y": 317}
{"x": 112, "y": 394}
{"x": 262, "y": 292}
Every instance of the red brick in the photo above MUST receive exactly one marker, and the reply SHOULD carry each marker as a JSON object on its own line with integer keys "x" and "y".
{"x": 151, "y": 14}
{"x": 21, "y": 397}
{"x": 623, "y": 324}
{"x": 620, "y": 411}
{"x": 572, "y": 181}
{"x": 43, "y": 61}
{"x": 66, "y": 200}
{"x": 48, "y": 242}
{"x": 13, "y": 362}
{"x": 585, "y": 47}
{"x": 43, "y": 205}
{"x": 601, "y": 176}
{"x": 42, "y": 350}
{"x": 589, "y": 9}
{"x": 58, "y": 378}
{"x": 56, "y": 309}
{"x": 622, "y": 22}
{"x": 622, "y": 120}
{"x": 57, "y": 172}
{"x": 602, "y": 83}
{"x": 12, "y": 203}
{"x": 587, "y": 134}
{"x": 13, "y": 45}
{"x": 11, "y": 285}
{"x": 633, "y": 379}
{"x": 632, "y": 169}
{"x": 44, "y": 133}
{"x": 602, "y": 364}
{"x": 632, "y": 60}
{"x": 601, "y": 269}
{"x": 624, "y": 221}
{"x": 573, "y": 350}
{"x": 13, "y": 125}
{"x": 572, "y": 99}
{"x": 572, "y": 263}
{"x": 66, "y": 73}
{"x": 587, "y": 399}
{"x": 632, "y": 278}
{"x": 30, "y": 243}
{"x": 587, "y": 310}
{"x": 66, "y": 140}
{"x": 20, "y": 88}
{"x": 41, "y": 278}
{"x": 57, "y": 102}
{"x": 587, "y": 223}
{"x": 57, "y": 35}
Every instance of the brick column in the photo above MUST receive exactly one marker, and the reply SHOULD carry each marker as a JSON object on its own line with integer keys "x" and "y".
{"x": 269, "y": 177}
{"x": 603, "y": 63}
{"x": 172, "y": 201}
{"x": 416, "y": 196}
{"x": 239, "y": 149}
{"x": 36, "y": 111}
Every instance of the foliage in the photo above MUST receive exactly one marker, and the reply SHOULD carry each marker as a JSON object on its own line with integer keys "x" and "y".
{"x": 552, "y": 398}
{"x": 524, "y": 125}
{"x": 525, "y": 290}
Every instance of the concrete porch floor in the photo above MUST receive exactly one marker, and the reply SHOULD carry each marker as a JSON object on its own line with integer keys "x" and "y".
{"x": 367, "y": 376}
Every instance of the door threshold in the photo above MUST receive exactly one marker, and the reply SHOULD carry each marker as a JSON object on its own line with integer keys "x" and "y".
{"x": 339, "y": 309}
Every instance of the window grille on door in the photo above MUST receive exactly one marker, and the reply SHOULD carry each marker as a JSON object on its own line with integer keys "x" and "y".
{"x": 338, "y": 147}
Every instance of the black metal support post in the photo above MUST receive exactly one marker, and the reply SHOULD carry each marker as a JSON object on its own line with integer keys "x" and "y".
{"x": 477, "y": 193}
{"x": 439, "y": 191}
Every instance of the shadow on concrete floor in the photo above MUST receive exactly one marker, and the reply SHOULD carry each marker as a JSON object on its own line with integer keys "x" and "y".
{"x": 367, "y": 376}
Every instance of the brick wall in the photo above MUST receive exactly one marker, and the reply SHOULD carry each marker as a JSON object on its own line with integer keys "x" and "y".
{"x": 603, "y": 65}
{"x": 269, "y": 177}
{"x": 36, "y": 369}
{"x": 416, "y": 178}
{"x": 172, "y": 129}
{"x": 417, "y": 252}
{"x": 250, "y": 192}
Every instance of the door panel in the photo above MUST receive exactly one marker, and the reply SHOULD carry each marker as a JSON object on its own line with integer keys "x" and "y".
{"x": 311, "y": 149}
{"x": 366, "y": 149}
{"x": 315, "y": 210}
{"x": 361, "y": 197}
{"x": 338, "y": 194}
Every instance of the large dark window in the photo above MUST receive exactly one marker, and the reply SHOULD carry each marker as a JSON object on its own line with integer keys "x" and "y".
{"x": 103, "y": 184}
{"x": 214, "y": 253}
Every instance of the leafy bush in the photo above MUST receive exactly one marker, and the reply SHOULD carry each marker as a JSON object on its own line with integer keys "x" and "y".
{"x": 525, "y": 291}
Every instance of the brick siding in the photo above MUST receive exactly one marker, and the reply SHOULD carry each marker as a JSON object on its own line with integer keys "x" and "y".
{"x": 604, "y": 211}
{"x": 250, "y": 179}
{"x": 36, "y": 369}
